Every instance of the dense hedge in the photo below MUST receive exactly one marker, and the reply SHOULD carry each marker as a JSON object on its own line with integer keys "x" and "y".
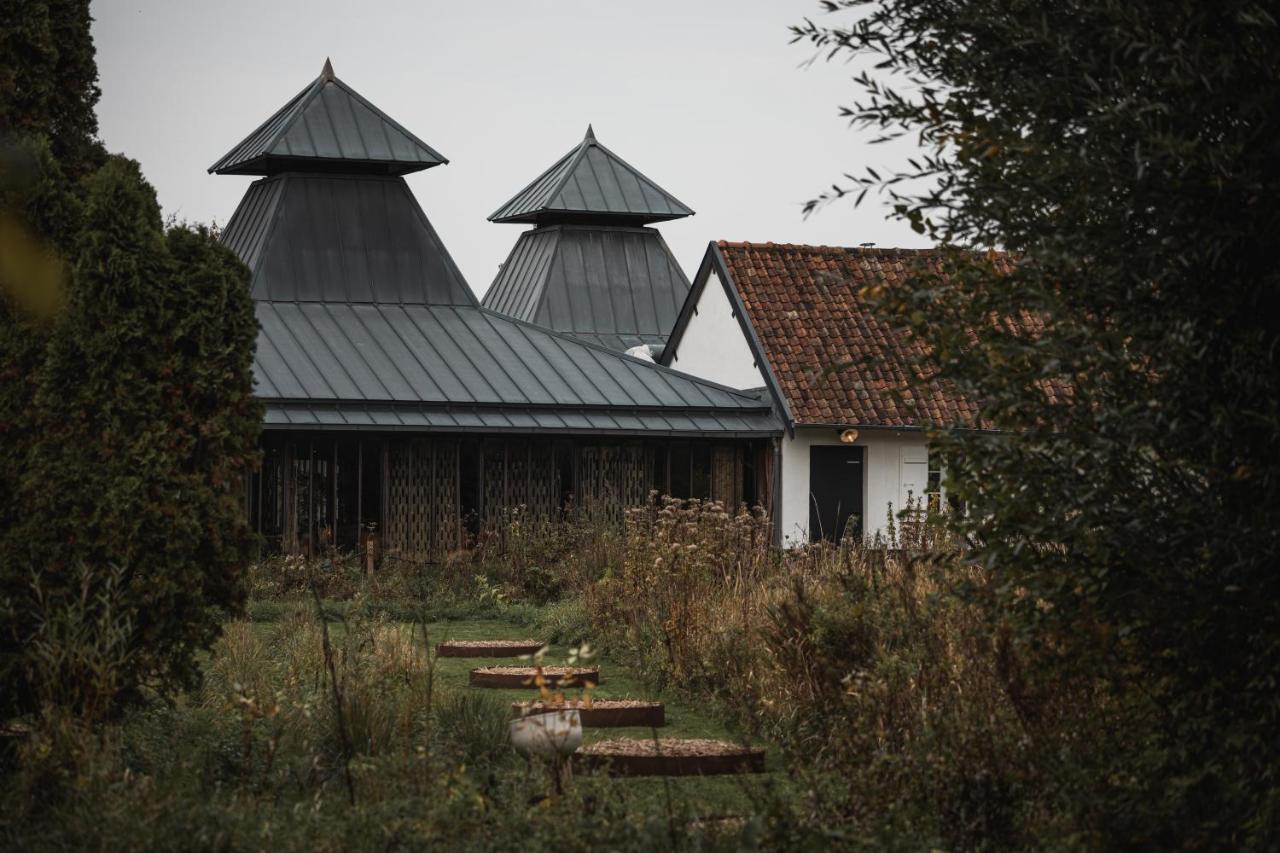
{"x": 126, "y": 410}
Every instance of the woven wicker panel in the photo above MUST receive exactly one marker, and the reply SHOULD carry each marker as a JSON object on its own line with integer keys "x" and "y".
{"x": 421, "y": 520}
{"x": 517, "y": 475}
{"x": 601, "y": 482}
{"x": 726, "y": 476}
{"x": 396, "y": 515}
{"x": 445, "y": 523}
{"x": 637, "y": 476}
{"x": 763, "y": 463}
{"x": 543, "y": 496}
{"x": 493, "y": 487}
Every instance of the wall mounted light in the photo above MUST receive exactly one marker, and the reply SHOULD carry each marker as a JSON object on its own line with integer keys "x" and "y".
{"x": 849, "y": 436}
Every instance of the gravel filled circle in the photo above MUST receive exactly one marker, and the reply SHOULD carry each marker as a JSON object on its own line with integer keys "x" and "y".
{"x": 603, "y": 713}
{"x": 523, "y": 676}
{"x": 670, "y": 757}
{"x": 487, "y": 648}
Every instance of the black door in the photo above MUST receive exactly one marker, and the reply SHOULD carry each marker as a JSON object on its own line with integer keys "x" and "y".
{"x": 835, "y": 491}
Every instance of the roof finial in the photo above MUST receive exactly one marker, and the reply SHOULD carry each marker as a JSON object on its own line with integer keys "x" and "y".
{"x": 591, "y": 136}
{"x": 327, "y": 73}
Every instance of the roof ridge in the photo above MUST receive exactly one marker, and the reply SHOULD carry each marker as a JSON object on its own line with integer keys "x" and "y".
{"x": 413, "y": 137}
{"x": 855, "y": 250}
{"x": 286, "y": 121}
{"x": 546, "y": 193}
{"x": 641, "y": 176}
{"x": 259, "y": 153}
{"x": 567, "y": 172}
{"x": 531, "y": 184}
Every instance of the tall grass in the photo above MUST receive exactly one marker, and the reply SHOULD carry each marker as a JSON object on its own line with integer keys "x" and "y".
{"x": 881, "y": 671}
{"x": 906, "y": 716}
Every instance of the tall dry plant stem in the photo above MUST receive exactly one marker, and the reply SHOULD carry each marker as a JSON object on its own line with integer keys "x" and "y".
{"x": 336, "y": 689}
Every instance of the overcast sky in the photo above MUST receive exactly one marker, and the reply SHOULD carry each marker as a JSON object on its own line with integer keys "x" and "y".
{"x": 706, "y": 97}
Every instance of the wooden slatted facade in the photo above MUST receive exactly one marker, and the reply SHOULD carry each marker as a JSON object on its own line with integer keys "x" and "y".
{"x": 427, "y": 495}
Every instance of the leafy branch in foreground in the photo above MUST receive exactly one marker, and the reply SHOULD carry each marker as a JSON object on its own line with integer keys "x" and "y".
{"x": 1127, "y": 155}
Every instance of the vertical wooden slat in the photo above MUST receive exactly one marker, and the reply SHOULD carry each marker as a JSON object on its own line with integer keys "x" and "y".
{"x": 262, "y": 473}
{"x": 290, "y": 516}
{"x": 384, "y": 463}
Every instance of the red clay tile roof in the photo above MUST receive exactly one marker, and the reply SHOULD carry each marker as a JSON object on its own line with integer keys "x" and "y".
{"x": 803, "y": 303}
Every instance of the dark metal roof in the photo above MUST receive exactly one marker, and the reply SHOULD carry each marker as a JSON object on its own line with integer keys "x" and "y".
{"x": 327, "y": 126}
{"x": 611, "y": 285}
{"x": 335, "y": 365}
{"x": 591, "y": 181}
{"x": 365, "y": 322}
{"x": 323, "y": 351}
{"x": 340, "y": 238}
{"x": 420, "y": 419}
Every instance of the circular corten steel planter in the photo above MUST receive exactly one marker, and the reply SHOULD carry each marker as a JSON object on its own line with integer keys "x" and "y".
{"x": 487, "y": 648}
{"x": 672, "y": 757}
{"x": 605, "y": 713}
{"x": 523, "y": 676}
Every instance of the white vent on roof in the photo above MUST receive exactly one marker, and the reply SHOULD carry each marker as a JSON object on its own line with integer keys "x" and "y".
{"x": 642, "y": 352}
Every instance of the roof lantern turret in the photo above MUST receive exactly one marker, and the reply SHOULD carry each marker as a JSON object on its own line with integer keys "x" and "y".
{"x": 591, "y": 184}
{"x": 591, "y": 268}
{"x": 329, "y": 127}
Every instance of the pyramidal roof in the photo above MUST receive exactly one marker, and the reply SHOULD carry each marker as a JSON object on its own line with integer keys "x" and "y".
{"x": 328, "y": 126}
{"x": 608, "y": 284}
{"x": 309, "y": 237}
{"x": 591, "y": 183}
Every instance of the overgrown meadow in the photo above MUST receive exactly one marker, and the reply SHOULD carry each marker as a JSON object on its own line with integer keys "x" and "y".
{"x": 897, "y": 711}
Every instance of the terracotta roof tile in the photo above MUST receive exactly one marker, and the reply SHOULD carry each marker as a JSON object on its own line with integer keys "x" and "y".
{"x": 836, "y": 360}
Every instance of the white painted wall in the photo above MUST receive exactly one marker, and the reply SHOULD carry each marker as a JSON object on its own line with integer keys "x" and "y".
{"x": 894, "y": 463}
{"x": 713, "y": 346}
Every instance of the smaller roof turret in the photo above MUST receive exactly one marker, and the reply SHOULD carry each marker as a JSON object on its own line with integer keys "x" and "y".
{"x": 591, "y": 184}
{"x": 329, "y": 127}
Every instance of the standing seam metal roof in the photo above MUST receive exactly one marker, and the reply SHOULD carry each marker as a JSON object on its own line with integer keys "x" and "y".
{"x": 329, "y": 123}
{"x": 342, "y": 238}
{"x": 612, "y": 285}
{"x": 437, "y": 354}
{"x": 365, "y": 322}
{"x": 591, "y": 179}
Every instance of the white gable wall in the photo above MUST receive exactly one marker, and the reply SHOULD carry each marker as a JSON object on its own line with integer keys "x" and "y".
{"x": 896, "y": 462}
{"x": 714, "y": 346}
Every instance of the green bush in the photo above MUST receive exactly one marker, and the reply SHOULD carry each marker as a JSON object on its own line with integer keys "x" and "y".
{"x": 143, "y": 425}
{"x": 1128, "y": 349}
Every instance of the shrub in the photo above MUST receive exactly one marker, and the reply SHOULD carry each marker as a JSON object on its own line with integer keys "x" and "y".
{"x": 143, "y": 425}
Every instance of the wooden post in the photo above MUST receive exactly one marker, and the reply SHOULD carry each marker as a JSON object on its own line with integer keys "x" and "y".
{"x": 311, "y": 497}
{"x": 333, "y": 508}
{"x": 385, "y": 464}
{"x": 289, "y": 487}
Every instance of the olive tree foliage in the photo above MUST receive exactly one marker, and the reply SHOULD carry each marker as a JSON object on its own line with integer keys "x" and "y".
{"x": 1128, "y": 155}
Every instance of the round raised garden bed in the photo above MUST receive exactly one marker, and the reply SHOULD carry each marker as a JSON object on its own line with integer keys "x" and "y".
{"x": 604, "y": 713}
{"x": 523, "y": 676}
{"x": 669, "y": 757}
{"x": 487, "y": 648}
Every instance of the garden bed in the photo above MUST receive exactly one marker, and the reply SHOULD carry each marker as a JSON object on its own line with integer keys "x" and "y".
{"x": 603, "y": 713}
{"x": 669, "y": 757}
{"x": 487, "y": 648}
{"x": 523, "y": 676}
